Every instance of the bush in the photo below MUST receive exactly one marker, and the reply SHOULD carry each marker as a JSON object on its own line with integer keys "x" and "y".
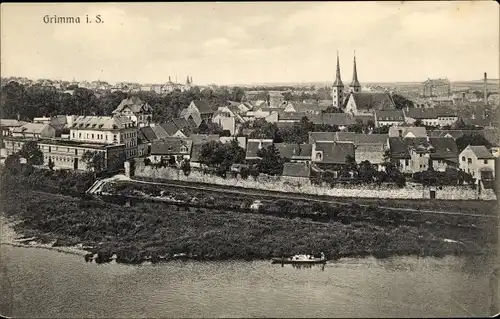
{"x": 147, "y": 162}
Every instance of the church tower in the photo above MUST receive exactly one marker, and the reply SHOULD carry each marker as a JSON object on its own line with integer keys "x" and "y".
{"x": 338, "y": 87}
{"x": 355, "y": 86}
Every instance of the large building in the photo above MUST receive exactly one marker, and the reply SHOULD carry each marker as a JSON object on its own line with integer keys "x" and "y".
{"x": 136, "y": 110}
{"x": 106, "y": 130}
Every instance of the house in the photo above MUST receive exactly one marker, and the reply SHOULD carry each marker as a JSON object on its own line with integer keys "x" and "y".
{"x": 410, "y": 154}
{"x": 296, "y": 172}
{"x": 198, "y": 141}
{"x": 444, "y": 154}
{"x": 171, "y": 129}
{"x": 309, "y": 108}
{"x": 34, "y": 130}
{"x": 428, "y": 117}
{"x": 368, "y": 147}
{"x": 295, "y": 152}
{"x": 7, "y": 125}
{"x": 341, "y": 120}
{"x": 229, "y": 118}
{"x": 366, "y": 102}
{"x": 331, "y": 155}
{"x": 169, "y": 148}
{"x": 137, "y": 111}
{"x": 253, "y": 147}
{"x": 389, "y": 118}
{"x": 12, "y": 145}
{"x": 446, "y": 116}
{"x": 454, "y": 133}
{"x": 477, "y": 161}
{"x": 160, "y": 132}
{"x": 69, "y": 154}
{"x": 117, "y": 129}
{"x": 321, "y": 137}
{"x": 197, "y": 111}
{"x": 145, "y": 137}
{"x": 291, "y": 117}
{"x": 407, "y": 131}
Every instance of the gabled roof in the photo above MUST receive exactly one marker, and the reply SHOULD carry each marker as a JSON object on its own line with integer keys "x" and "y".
{"x": 327, "y": 103}
{"x": 390, "y": 115}
{"x": 334, "y": 153}
{"x": 11, "y": 123}
{"x": 253, "y": 147}
{"x": 134, "y": 104}
{"x": 294, "y": 151}
{"x": 171, "y": 146}
{"x": 481, "y": 152}
{"x": 444, "y": 148}
{"x": 159, "y": 132}
{"x": 296, "y": 170}
{"x": 102, "y": 122}
{"x": 291, "y": 116}
{"x": 203, "y": 107}
{"x": 308, "y": 107}
{"x": 373, "y": 101}
{"x": 321, "y": 136}
{"x": 445, "y": 112}
{"x": 365, "y": 118}
{"x": 338, "y": 119}
{"x": 418, "y": 113}
{"x": 398, "y": 148}
{"x": 170, "y": 128}
{"x": 361, "y": 139}
{"x": 204, "y": 138}
{"x": 31, "y": 128}
{"x": 405, "y": 130}
{"x": 454, "y": 133}
{"x": 148, "y": 133}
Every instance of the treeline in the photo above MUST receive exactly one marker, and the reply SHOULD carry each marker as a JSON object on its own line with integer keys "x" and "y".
{"x": 36, "y": 101}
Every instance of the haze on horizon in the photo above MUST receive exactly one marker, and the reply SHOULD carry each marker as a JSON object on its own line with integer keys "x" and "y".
{"x": 244, "y": 43}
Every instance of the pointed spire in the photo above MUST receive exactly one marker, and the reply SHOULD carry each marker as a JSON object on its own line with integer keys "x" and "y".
{"x": 355, "y": 82}
{"x": 187, "y": 80}
{"x": 338, "y": 80}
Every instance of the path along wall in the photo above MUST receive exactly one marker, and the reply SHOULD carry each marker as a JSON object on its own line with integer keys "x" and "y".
{"x": 411, "y": 191}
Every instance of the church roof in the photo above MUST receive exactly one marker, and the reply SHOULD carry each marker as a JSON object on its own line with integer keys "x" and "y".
{"x": 375, "y": 101}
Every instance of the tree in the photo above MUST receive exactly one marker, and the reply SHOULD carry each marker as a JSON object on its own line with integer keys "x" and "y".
{"x": 471, "y": 139}
{"x": 13, "y": 163}
{"x": 418, "y": 122}
{"x": 271, "y": 163}
{"x": 186, "y": 167}
{"x": 332, "y": 109}
{"x": 381, "y": 130}
{"x": 266, "y": 131}
{"x": 209, "y": 128}
{"x": 32, "y": 153}
{"x": 51, "y": 164}
{"x": 366, "y": 171}
{"x": 94, "y": 160}
{"x": 401, "y": 102}
{"x": 147, "y": 161}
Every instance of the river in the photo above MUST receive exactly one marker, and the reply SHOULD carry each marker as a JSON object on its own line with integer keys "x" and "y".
{"x": 44, "y": 283}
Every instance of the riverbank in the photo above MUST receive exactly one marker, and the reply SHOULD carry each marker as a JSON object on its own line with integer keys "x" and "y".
{"x": 9, "y": 237}
{"x": 157, "y": 232}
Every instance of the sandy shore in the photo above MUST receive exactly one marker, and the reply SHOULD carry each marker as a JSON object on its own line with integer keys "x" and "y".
{"x": 9, "y": 237}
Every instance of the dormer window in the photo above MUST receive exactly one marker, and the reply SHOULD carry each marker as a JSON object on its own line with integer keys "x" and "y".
{"x": 319, "y": 156}
{"x": 183, "y": 149}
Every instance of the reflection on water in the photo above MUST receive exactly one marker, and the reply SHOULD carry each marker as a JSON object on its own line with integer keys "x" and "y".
{"x": 49, "y": 284}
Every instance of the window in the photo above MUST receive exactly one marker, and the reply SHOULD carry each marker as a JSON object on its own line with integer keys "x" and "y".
{"x": 463, "y": 158}
{"x": 50, "y": 149}
{"x": 407, "y": 162}
{"x": 319, "y": 156}
{"x": 73, "y": 134}
{"x": 485, "y": 161}
{"x": 79, "y": 135}
{"x": 92, "y": 136}
{"x": 76, "y": 151}
{"x": 469, "y": 160}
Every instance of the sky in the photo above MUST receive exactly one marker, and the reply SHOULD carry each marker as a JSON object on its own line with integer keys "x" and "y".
{"x": 245, "y": 43}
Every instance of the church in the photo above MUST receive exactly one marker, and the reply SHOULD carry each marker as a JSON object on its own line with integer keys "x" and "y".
{"x": 351, "y": 100}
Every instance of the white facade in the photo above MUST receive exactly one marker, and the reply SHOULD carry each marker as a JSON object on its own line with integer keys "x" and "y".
{"x": 473, "y": 165}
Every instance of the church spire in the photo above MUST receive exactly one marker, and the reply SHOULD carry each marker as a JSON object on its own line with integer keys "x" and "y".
{"x": 355, "y": 82}
{"x": 338, "y": 80}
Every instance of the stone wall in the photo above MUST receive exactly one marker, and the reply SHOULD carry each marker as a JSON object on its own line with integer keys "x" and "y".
{"x": 411, "y": 191}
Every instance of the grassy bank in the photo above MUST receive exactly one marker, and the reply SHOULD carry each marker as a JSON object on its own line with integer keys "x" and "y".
{"x": 212, "y": 227}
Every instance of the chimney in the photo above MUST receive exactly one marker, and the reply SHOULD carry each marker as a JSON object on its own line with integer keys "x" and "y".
{"x": 485, "y": 94}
